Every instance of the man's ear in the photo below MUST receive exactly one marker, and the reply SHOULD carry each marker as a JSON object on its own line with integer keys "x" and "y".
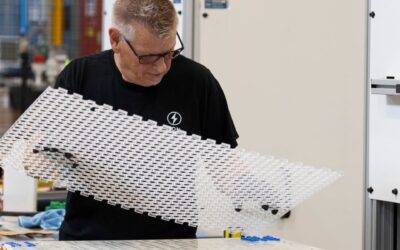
{"x": 115, "y": 39}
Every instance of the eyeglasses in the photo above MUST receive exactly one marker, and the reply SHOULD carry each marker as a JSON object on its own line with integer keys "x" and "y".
{"x": 152, "y": 58}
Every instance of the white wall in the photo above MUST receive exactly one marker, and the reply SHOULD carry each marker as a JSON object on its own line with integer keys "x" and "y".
{"x": 293, "y": 73}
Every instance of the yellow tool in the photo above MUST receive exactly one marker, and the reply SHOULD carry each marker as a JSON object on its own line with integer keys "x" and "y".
{"x": 232, "y": 234}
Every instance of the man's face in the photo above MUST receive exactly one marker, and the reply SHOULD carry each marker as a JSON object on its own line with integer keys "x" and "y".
{"x": 144, "y": 43}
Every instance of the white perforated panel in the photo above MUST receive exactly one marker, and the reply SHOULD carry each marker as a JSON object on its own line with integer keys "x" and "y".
{"x": 164, "y": 172}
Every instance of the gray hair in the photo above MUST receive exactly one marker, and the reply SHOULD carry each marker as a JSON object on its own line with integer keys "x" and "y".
{"x": 158, "y": 15}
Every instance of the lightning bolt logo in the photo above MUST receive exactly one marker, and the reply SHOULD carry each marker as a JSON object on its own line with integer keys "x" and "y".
{"x": 174, "y": 118}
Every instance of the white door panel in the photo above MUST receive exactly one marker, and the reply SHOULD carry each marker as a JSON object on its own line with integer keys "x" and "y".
{"x": 293, "y": 72}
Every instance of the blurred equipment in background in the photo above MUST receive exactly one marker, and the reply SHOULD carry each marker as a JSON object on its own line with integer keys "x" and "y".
{"x": 55, "y": 30}
{"x": 54, "y": 65}
{"x": 38, "y": 68}
{"x": 91, "y": 24}
{"x": 9, "y": 55}
{"x": 37, "y": 39}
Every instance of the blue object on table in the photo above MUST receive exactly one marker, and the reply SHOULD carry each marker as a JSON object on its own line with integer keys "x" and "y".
{"x": 11, "y": 244}
{"x": 269, "y": 238}
{"x": 255, "y": 238}
{"x": 251, "y": 238}
{"x": 29, "y": 244}
{"x": 17, "y": 245}
{"x": 48, "y": 220}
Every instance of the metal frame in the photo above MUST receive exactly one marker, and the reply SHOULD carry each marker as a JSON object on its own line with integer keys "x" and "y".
{"x": 380, "y": 218}
{"x": 368, "y": 215}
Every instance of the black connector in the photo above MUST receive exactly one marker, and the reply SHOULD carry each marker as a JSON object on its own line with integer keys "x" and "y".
{"x": 54, "y": 150}
{"x": 286, "y": 216}
{"x": 68, "y": 155}
{"x": 372, "y": 14}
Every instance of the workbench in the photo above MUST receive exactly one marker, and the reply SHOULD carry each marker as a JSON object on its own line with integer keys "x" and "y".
{"x": 212, "y": 244}
{"x": 50, "y": 242}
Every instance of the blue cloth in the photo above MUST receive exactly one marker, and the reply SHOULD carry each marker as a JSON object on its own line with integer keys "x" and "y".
{"x": 48, "y": 220}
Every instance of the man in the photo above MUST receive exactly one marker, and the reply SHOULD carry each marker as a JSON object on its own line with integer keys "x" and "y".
{"x": 143, "y": 75}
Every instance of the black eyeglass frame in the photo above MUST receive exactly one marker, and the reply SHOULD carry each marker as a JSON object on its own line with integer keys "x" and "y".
{"x": 157, "y": 57}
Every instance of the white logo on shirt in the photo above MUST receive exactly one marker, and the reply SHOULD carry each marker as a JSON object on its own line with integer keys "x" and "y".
{"x": 174, "y": 118}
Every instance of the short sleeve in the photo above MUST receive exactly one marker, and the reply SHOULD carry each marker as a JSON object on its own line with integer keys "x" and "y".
{"x": 217, "y": 120}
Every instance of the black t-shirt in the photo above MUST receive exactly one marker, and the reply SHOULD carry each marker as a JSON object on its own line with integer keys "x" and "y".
{"x": 188, "y": 98}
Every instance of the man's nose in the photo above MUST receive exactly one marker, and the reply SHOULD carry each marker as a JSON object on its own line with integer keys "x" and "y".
{"x": 161, "y": 64}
